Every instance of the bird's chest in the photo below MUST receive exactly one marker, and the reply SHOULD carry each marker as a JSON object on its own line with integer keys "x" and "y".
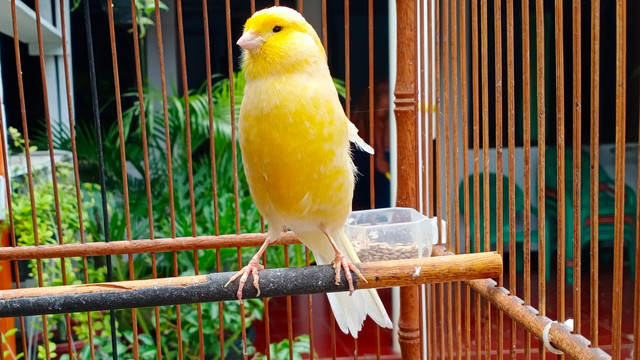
{"x": 290, "y": 121}
{"x": 294, "y": 146}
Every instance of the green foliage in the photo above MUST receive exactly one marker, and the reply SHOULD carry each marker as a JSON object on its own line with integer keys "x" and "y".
{"x": 9, "y": 352}
{"x": 18, "y": 141}
{"x": 144, "y": 10}
{"x": 281, "y": 350}
{"x": 42, "y": 351}
{"x": 47, "y": 233}
{"x": 101, "y": 323}
{"x": 190, "y": 333}
{"x": 47, "y": 218}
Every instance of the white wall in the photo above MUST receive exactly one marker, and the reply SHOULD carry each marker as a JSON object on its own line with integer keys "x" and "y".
{"x": 169, "y": 48}
{"x": 52, "y": 54}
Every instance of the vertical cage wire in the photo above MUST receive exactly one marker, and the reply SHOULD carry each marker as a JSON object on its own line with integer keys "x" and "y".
{"x": 147, "y": 177}
{"x": 234, "y": 161}
{"x": 540, "y": 90}
{"x": 45, "y": 326}
{"x": 465, "y": 166}
{"x": 372, "y": 132}
{"x": 214, "y": 183}
{"x": 440, "y": 174}
{"x": 425, "y": 135}
{"x": 577, "y": 144}
{"x": 427, "y": 116}
{"x": 526, "y": 139}
{"x": 477, "y": 246}
{"x": 125, "y": 187}
{"x": 70, "y": 113}
{"x": 594, "y": 161}
{"x": 13, "y": 243}
{"x": 620, "y": 142}
{"x": 456, "y": 195}
{"x": 192, "y": 208}
{"x": 511, "y": 162}
{"x": 446, "y": 176}
{"x": 499, "y": 179}
{"x": 170, "y": 184}
{"x": 52, "y": 160}
{"x": 484, "y": 39}
{"x": 560, "y": 153}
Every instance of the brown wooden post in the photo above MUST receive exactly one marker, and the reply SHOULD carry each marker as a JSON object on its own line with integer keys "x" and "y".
{"x": 407, "y": 196}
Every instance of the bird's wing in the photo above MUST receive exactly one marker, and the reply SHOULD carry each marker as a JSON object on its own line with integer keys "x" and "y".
{"x": 356, "y": 139}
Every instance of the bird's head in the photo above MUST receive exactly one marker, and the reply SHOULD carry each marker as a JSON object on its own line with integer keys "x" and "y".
{"x": 279, "y": 40}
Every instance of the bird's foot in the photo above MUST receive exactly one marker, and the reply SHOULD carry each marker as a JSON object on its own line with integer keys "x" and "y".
{"x": 341, "y": 263}
{"x": 252, "y": 268}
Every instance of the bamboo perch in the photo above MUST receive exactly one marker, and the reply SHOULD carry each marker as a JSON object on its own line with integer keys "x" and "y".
{"x": 273, "y": 282}
{"x": 140, "y": 246}
{"x": 574, "y": 345}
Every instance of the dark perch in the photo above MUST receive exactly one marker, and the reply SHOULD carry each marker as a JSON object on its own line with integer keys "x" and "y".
{"x": 273, "y": 283}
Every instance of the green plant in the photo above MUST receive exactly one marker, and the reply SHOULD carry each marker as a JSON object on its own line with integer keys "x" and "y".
{"x": 9, "y": 352}
{"x": 280, "y": 350}
{"x": 18, "y": 142}
{"x": 102, "y": 335}
{"x": 46, "y": 221}
{"x": 144, "y": 9}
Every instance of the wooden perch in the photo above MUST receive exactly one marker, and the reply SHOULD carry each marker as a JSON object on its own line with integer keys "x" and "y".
{"x": 574, "y": 345}
{"x": 273, "y": 282}
{"x": 140, "y": 246}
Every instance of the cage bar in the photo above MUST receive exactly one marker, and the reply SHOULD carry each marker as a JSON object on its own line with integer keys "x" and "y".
{"x": 526, "y": 140}
{"x": 499, "y": 179}
{"x": 577, "y": 184}
{"x": 594, "y": 160}
{"x": 540, "y": 89}
{"x": 618, "y": 251}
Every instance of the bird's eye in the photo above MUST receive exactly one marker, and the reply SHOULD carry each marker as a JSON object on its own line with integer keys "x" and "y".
{"x": 277, "y": 29}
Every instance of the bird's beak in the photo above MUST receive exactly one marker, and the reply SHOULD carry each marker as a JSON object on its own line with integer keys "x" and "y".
{"x": 250, "y": 41}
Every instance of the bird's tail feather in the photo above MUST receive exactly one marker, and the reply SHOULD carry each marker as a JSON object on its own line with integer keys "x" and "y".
{"x": 350, "y": 311}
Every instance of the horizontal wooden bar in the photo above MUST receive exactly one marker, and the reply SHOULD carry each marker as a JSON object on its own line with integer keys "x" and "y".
{"x": 574, "y": 345}
{"x": 273, "y": 283}
{"x": 140, "y": 246}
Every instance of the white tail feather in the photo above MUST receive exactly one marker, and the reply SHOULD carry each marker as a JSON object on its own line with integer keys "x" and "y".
{"x": 350, "y": 311}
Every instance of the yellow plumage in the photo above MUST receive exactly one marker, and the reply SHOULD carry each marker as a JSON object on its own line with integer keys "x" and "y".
{"x": 294, "y": 138}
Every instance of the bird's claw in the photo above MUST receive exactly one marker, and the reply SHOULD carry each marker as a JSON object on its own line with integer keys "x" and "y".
{"x": 252, "y": 268}
{"x": 341, "y": 263}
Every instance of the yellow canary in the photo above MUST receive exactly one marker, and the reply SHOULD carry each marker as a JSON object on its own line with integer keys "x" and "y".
{"x": 294, "y": 137}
